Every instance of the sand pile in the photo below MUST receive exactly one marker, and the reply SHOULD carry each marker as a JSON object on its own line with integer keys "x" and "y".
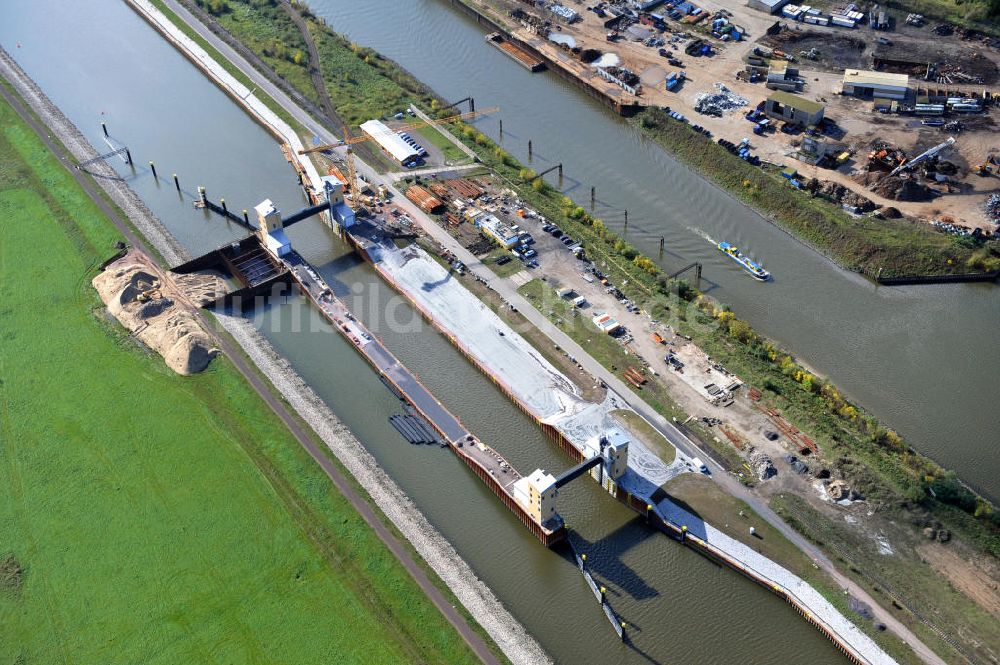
{"x": 135, "y": 297}
{"x": 201, "y": 288}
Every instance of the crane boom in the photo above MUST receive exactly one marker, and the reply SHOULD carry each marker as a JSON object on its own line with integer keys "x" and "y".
{"x": 923, "y": 156}
{"x": 347, "y": 140}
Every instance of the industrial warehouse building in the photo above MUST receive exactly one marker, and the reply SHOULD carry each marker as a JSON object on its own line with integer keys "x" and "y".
{"x": 876, "y": 84}
{"x": 494, "y": 228}
{"x": 389, "y": 141}
{"x": 793, "y": 109}
{"x": 769, "y": 6}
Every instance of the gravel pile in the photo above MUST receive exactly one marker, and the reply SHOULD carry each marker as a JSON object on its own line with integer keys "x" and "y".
{"x": 719, "y": 102}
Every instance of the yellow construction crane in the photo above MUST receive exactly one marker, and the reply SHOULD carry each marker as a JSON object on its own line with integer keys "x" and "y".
{"x": 349, "y": 140}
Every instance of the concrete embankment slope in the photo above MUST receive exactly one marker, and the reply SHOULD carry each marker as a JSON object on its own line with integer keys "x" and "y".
{"x": 509, "y": 635}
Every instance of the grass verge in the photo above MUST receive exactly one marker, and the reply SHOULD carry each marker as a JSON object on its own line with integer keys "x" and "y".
{"x": 452, "y": 154}
{"x": 647, "y": 434}
{"x": 214, "y": 525}
{"x": 903, "y": 582}
{"x": 703, "y": 497}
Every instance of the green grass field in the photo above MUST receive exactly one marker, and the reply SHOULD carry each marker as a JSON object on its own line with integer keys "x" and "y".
{"x": 449, "y": 150}
{"x": 153, "y": 518}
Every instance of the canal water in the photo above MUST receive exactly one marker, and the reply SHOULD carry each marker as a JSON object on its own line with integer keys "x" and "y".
{"x": 921, "y": 358}
{"x": 98, "y": 61}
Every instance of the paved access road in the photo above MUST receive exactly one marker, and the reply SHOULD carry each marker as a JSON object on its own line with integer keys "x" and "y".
{"x": 398, "y": 549}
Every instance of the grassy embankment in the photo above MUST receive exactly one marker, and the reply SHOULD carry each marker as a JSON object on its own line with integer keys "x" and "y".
{"x": 876, "y": 460}
{"x": 705, "y": 499}
{"x": 152, "y": 517}
{"x": 905, "y": 572}
{"x": 647, "y": 434}
{"x": 890, "y": 247}
{"x": 450, "y": 151}
{"x": 975, "y": 14}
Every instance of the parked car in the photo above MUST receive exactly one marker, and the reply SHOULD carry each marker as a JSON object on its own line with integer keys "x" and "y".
{"x": 501, "y": 260}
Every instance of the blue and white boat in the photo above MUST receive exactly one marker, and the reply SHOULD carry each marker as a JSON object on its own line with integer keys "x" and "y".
{"x": 756, "y": 271}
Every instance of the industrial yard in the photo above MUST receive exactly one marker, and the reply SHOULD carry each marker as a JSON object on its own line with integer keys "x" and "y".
{"x": 672, "y": 55}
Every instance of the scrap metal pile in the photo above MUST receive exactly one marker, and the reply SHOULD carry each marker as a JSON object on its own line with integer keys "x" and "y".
{"x": 993, "y": 208}
{"x": 721, "y": 101}
{"x": 952, "y": 73}
{"x": 761, "y": 464}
